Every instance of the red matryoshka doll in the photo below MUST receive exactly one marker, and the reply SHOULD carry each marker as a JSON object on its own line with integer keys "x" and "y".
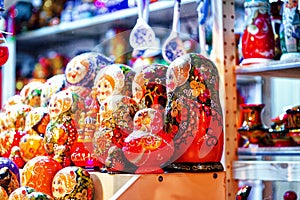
{"x": 80, "y": 73}
{"x": 61, "y": 132}
{"x": 38, "y": 173}
{"x": 258, "y": 42}
{"x": 73, "y": 183}
{"x": 147, "y": 147}
{"x": 115, "y": 124}
{"x": 53, "y": 85}
{"x": 194, "y": 114}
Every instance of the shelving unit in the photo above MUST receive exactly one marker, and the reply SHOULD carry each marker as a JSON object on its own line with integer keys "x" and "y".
{"x": 219, "y": 185}
{"x": 273, "y": 166}
{"x": 268, "y": 164}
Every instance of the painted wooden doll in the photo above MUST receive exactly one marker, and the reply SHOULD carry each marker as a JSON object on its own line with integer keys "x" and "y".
{"x": 61, "y": 132}
{"x": 194, "y": 114}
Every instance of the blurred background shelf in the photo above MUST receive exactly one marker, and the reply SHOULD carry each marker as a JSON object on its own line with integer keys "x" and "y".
{"x": 272, "y": 69}
{"x": 160, "y": 14}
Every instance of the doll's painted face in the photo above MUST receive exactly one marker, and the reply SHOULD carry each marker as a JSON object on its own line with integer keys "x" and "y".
{"x": 54, "y": 108}
{"x": 104, "y": 87}
{"x": 63, "y": 184}
{"x": 76, "y": 71}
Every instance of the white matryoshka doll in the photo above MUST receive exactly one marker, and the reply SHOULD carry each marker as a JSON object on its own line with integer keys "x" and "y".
{"x": 61, "y": 132}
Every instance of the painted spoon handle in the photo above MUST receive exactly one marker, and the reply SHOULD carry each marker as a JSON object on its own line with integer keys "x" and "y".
{"x": 146, "y": 10}
{"x": 176, "y": 16}
{"x": 140, "y": 5}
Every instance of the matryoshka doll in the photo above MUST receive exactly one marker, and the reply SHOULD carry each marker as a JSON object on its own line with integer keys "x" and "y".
{"x": 61, "y": 132}
{"x": 9, "y": 175}
{"x": 73, "y": 183}
{"x": 80, "y": 73}
{"x": 32, "y": 144}
{"x": 194, "y": 114}
{"x": 113, "y": 87}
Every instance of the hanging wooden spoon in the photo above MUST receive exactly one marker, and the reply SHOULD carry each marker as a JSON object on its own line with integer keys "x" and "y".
{"x": 142, "y": 34}
{"x": 173, "y": 46}
{"x": 140, "y": 52}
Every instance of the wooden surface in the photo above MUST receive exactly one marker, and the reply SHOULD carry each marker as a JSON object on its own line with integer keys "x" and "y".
{"x": 224, "y": 53}
{"x": 175, "y": 186}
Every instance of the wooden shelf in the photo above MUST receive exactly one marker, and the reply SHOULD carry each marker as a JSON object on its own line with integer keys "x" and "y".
{"x": 201, "y": 186}
{"x": 272, "y": 69}
{"x": 268, "y": 164}
{"x": 160, "y": 14}
{"x": 267, "y": 170}
{"x": 269, "y": 151}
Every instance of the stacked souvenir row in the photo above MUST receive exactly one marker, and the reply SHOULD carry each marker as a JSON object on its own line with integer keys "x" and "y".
{"x": 283, "y": 132}
{"x": 110, "y": 117}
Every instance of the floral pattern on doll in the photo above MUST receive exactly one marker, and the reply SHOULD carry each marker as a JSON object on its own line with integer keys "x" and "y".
{"x": 149, "y": 86}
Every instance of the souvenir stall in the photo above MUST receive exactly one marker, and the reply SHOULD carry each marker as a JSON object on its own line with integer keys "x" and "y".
{"x": 146, "y": 99}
